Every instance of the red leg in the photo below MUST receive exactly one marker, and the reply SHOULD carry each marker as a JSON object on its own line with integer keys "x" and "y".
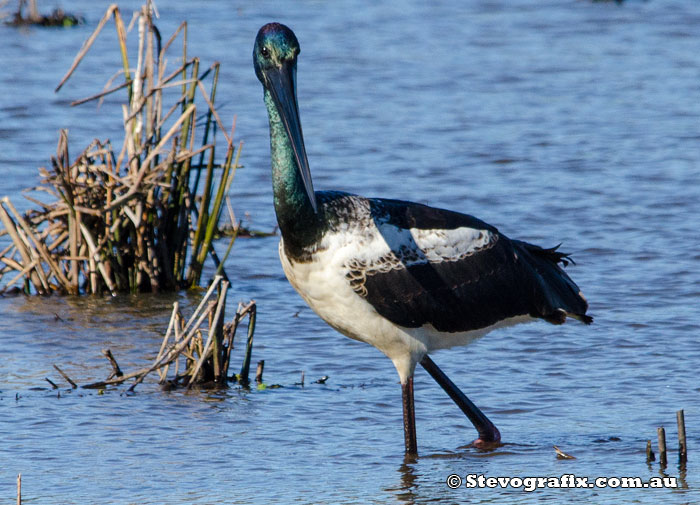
{"x": 489, "y": 436}
{"x": 409, "y": 417}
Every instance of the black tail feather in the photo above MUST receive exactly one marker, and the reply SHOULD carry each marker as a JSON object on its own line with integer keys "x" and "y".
{"x": 559, "y": 295}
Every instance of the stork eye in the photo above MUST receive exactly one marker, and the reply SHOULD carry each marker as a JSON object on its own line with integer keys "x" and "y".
{"x": 265, "y": 52}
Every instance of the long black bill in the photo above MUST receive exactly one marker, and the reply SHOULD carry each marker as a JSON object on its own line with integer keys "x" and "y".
{"x": 281, "y": 84}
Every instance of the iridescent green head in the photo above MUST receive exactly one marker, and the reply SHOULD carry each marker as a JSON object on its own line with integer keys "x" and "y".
{"x": 275, "y": 46}
{"x": 275, "y": 60}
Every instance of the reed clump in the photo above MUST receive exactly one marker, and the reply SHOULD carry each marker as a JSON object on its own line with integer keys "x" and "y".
{"x": 196, "y": 351}
{"x": 141, "y": 218}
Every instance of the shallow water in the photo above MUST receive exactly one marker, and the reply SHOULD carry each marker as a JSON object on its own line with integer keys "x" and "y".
{"x": 573, "y": 122}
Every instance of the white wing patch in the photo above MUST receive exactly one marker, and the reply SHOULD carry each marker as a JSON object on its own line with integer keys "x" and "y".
{"x": 389, "y": 247}
{"x": 452, "y": 245}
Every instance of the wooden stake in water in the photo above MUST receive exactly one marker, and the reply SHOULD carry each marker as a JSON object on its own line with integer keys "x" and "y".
{"x": 682, "y": 447}
{"x": 19, "y": 489}
{"x": 650, "y": 453}
{"x": 662, "y": 446}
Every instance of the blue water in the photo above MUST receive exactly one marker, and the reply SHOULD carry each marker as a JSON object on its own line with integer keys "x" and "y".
{"x": 574, "y": 122}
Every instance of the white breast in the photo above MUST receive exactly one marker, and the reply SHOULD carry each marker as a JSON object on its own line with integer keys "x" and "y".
{"x": 324, "y": 285}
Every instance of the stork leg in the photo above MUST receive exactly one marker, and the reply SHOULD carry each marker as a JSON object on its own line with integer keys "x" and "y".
{"x": 409, "y": 417}
{"x": 489, "y": 436}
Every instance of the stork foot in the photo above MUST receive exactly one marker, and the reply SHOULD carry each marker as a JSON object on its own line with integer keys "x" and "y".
{"x": 489, "y": 436}
{"x": 488, "y": 441}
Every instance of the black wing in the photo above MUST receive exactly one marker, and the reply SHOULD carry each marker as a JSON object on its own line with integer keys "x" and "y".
{"x": 505, "y": 279}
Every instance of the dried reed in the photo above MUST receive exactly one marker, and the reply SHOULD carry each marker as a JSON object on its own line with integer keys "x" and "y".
{"x": 130, "y": 221}
{"x": 204, "y": 359}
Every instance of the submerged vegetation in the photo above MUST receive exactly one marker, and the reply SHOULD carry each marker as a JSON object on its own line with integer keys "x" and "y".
{"x": 141, "y": 218}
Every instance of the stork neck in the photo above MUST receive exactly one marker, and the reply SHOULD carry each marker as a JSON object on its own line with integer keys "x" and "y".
{"x": 295, "y": 215}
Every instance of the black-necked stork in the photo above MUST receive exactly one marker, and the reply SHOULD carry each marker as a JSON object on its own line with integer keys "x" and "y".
{"x": 404, "y": 277}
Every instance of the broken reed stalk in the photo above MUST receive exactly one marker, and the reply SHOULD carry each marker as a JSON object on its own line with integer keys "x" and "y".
{"x": 682, "y": 443}
{"x": 662, "y": 446}
{"x": 215, "y": 340}
{"x": 175, "y": 320}
{"x": 129, "y": 221}
{"x": 116, "y": 371}
{"x": 245, "y": 368}
{"x": 68, "y": 379}
{"x": 259, "y": 371}
{"x": 650, "y": 452}
{"x": 560, "y": 454}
